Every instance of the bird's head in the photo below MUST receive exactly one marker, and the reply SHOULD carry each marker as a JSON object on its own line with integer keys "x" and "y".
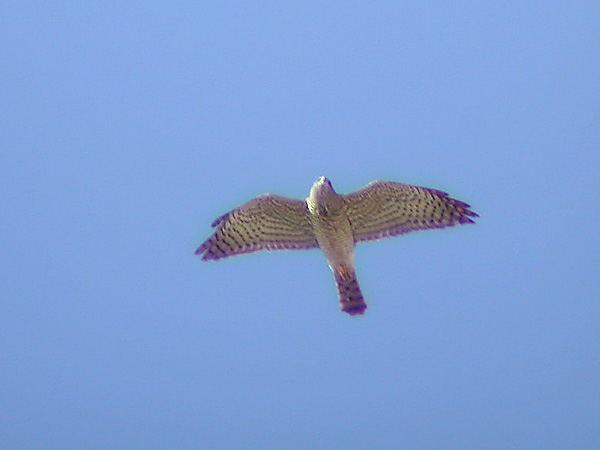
{"x": 321, "y": 187}
{"x": 322, "y": 193}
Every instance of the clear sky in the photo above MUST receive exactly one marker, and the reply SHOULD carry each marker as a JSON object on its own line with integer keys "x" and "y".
{"x": 128, "y": 127}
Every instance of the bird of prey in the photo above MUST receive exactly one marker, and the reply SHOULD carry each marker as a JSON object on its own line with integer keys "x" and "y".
{"x": 335, "y": 223}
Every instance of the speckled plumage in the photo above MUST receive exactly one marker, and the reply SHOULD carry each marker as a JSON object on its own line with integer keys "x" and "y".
{"x": 335, "y": 223}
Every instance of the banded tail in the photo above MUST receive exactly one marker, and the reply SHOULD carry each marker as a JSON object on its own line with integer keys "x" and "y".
{"x": 350, "y": 295}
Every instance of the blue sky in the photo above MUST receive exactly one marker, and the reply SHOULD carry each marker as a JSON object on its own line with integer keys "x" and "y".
{"x": 128, "y": 127}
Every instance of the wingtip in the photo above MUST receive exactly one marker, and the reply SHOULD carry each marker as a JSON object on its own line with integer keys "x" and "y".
{"x": 469, "y": 213}
{"x": 466, "y": 220}
{"x": 468, "y": 216}
{"x": 206, "y": 255}
{"x": 201, "y": 251}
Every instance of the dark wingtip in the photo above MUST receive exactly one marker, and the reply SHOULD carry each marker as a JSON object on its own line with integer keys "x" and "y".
{"x": 207, "y": 255}
{"x": 469, "y": 212}
{"x": 466, "y": 219}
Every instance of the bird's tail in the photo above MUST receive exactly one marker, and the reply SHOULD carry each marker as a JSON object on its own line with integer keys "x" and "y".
{"x": 351, "y": 298}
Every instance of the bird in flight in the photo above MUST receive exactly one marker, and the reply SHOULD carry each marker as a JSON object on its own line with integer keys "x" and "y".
{"x": 335, "y": 223}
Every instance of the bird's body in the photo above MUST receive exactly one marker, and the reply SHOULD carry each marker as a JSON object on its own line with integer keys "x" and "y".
{"x": 333, "y": 230}
{"x": 334, "y": 223}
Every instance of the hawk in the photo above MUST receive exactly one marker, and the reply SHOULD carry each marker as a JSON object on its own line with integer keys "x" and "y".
{"x": 335, "y": 223}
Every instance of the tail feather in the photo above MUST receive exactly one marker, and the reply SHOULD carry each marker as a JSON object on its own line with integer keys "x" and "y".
{"x": 350, "y": 295}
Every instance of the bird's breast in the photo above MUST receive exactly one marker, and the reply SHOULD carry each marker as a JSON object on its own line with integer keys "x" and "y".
{"x": 335, "y": 237}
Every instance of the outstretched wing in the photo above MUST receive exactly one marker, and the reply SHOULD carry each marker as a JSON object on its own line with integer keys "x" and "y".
{"x": 268, "y": 222}
{"x": 385, "y": 208}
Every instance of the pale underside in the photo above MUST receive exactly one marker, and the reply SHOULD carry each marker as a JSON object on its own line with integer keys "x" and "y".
{"x": 268, "y": 222}
{"x": 379, "y": 210}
